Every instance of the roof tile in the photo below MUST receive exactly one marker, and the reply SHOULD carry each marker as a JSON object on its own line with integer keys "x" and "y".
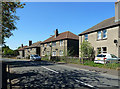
{"x": 102, "y": 25}
{"x": 61, "y": 36}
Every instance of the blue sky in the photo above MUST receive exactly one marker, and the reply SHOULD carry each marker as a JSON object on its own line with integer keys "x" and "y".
{"x": 38, "y": 20}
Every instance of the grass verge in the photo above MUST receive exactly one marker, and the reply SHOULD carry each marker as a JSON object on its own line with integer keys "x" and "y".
{"x": 87, "y": 63}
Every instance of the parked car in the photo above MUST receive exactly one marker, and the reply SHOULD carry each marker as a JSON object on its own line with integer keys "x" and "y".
{"x": 106, "y": 58}
{"x": 35, "y": 57}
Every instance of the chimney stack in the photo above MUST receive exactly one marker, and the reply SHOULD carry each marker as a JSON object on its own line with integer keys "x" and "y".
{"x": 56, "y": 33}
{"x": 117, "y": 11}
{"x": 21, "y": 45}
{"x": 30, "y": 42}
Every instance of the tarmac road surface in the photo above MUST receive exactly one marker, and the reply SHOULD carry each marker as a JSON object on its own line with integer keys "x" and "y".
{"x": 25, "y": 74}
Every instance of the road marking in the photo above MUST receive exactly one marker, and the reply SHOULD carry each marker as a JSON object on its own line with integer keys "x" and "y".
{"x": 50, "y": 69}
{"x": 84, "y": 83}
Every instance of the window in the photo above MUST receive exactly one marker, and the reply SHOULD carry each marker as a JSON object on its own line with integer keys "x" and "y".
{"x": 104, "y": 49}
{"x": 61, "y": 52}
{"x": 86, "y": 37}
{"x": 100, "y": 55}
{"x": 48, "y": 44}
{"x": 99, "y": 35}
{"x": 43, "y": 53}
{"x": 99, "y": 50}
{"x": 54, "y": 44}
{"x": 113, "y": 56}
{"x": 43, "y": 45}
{"x": 48, "y": 52}
{"x": 28, "y": 50}
{"x": 104, "y": 34}
{"x": 61, "y": 42}
{"x": 54, "y": 53}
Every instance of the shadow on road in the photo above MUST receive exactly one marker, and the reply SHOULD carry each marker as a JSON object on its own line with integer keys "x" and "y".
{"x": 40, "y": 78}
{"x": 28, "y": 63}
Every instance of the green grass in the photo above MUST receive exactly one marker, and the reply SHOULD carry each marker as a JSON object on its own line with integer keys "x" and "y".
{"x": 108, "y": 66}
{"x": 88, "y": 63}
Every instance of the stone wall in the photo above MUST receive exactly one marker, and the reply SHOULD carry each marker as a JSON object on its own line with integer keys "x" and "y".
{"x": 57, "y": 48}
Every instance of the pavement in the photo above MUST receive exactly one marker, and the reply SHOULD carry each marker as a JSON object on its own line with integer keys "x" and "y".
{"x": 25, "y": 74}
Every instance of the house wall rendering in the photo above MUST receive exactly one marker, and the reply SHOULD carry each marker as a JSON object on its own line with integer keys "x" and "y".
{"x": 106, "y": 45}
{"x": 61, "y": 44}
{"x": 59, "y": 49}
{"x": 32, "y": 49}
{"x": 104, "y": 36}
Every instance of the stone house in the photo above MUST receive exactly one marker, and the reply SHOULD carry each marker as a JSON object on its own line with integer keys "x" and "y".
{"x": 105, "y": 36}
{"x": 60, "y": 44}
{"x": 21, "y": 51}
{"x": 32, "y": 49}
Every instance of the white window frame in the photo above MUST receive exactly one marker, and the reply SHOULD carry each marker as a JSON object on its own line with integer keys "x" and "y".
{"x": 54, "y": 53}
{"x": 104, "y": 34}
{"x": 86, "y": 37}
{"x": 99, "y": 35}
{"x": 61, "y": 52}
{"x": 99, "y": 50}
{"x": 103, "y": 50}
{"x": 48, "y": 53}
{"x": 43, "y": 53}
{"x": 61, "y": 42}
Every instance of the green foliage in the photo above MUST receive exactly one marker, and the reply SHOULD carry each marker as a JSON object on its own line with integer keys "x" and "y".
{"x": 19, "y": 47}
{"x": 86, "y": 50}
{"x": 9, "y": 18}
{"x": 70, "y": 52}
{"x": 7, "y": 51}
{"x": 109, "y": 65}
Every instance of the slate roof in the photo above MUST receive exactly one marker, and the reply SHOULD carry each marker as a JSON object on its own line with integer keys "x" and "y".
{"x": 61, "y": 36}
{"x": 102, "y": 25}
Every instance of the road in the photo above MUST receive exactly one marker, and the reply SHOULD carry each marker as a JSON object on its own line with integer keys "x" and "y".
{"x": 26, "y": 74}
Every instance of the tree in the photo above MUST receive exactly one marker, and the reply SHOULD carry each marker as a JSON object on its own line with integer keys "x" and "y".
{"x": 87, "y": 51}
{"x": 67, "y": 54}
{"x": 9, "y": 18}
{"x": 7, "y": 51}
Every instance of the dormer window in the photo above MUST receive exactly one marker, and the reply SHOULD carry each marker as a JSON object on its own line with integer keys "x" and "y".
{"x": 86, "y": 37}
